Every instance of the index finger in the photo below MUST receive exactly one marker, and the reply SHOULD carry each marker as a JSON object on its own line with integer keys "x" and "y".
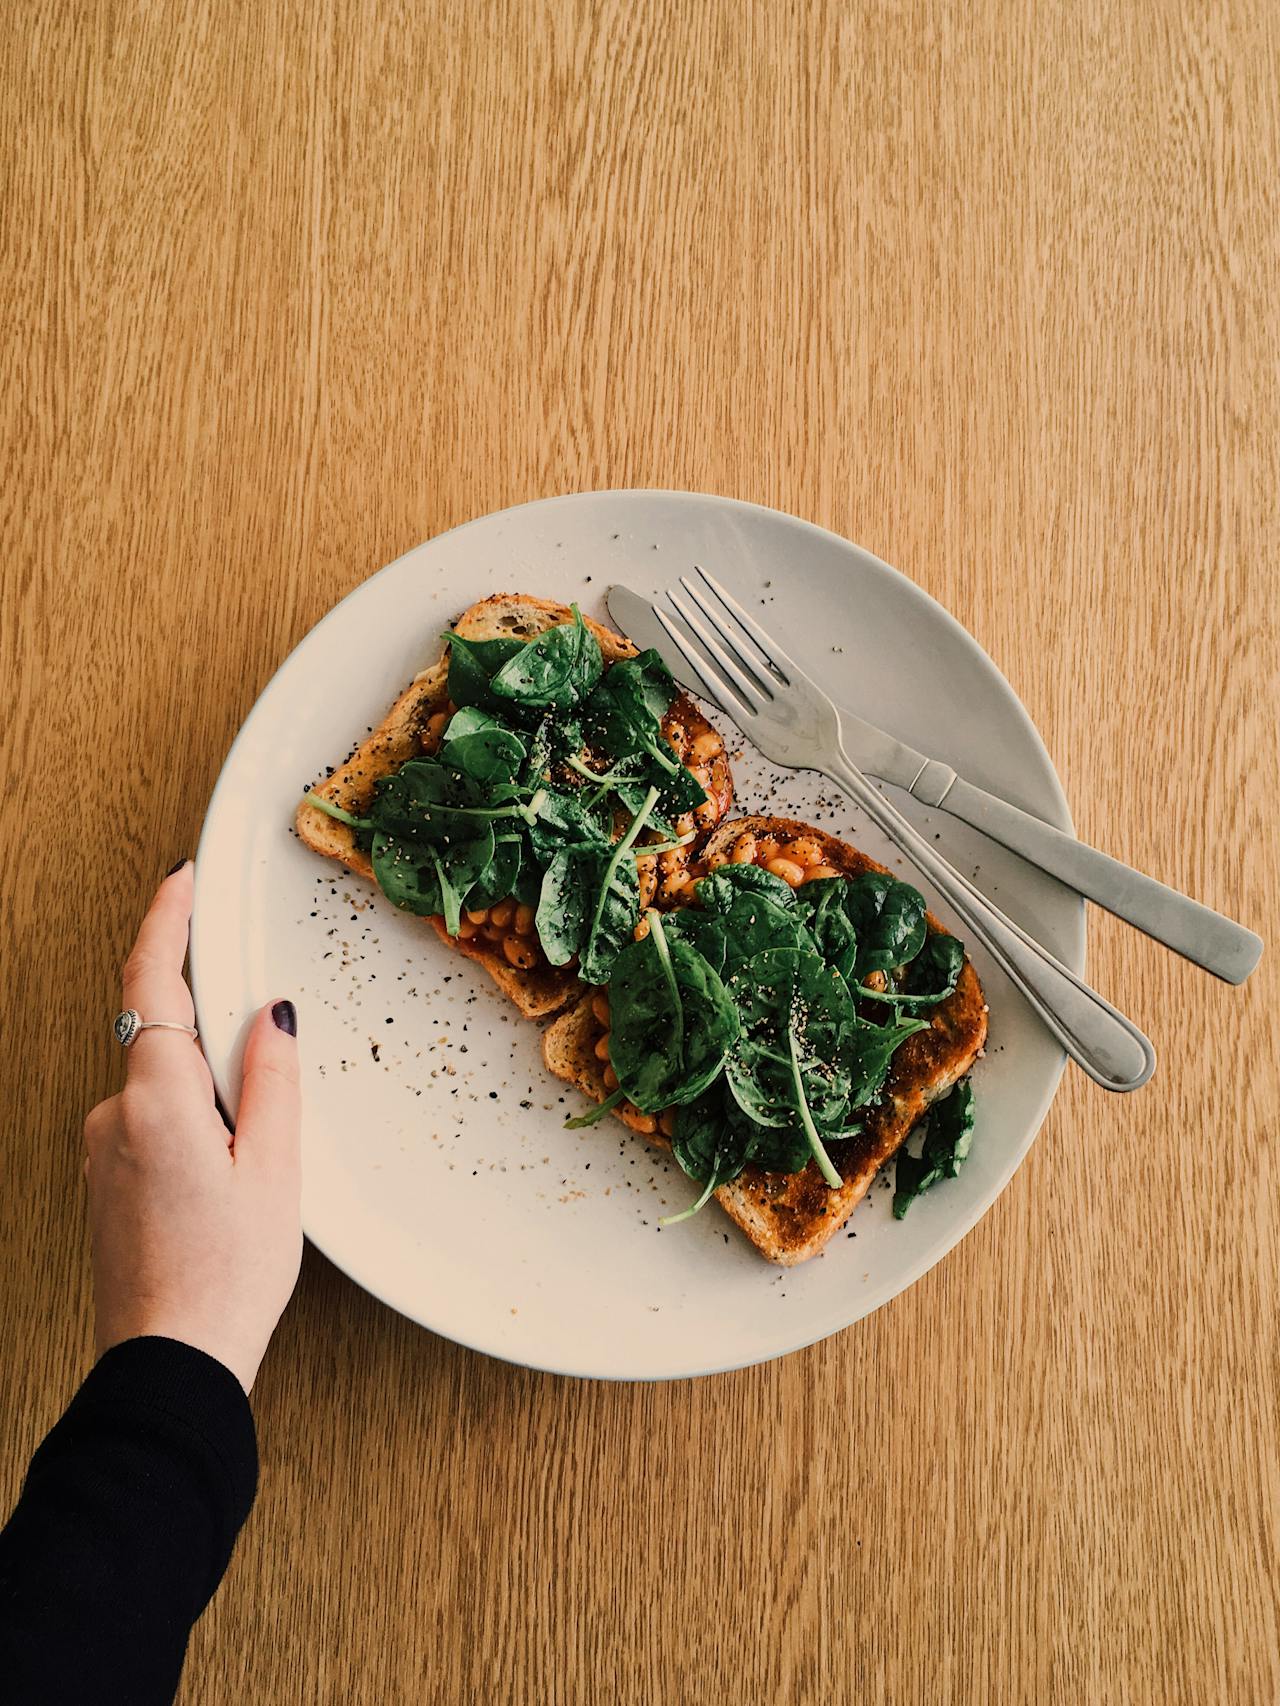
{"x": 153, "y": 982}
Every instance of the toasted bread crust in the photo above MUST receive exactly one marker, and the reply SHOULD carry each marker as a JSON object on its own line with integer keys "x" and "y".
{"x": 789, "y": 1217}
{"x": 544, "y": 989}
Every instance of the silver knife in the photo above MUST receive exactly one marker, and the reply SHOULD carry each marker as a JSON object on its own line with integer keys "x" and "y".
{"x": 1199, "y": 934}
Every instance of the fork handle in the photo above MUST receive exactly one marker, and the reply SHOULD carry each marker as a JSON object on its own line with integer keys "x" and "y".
{"x": 1109, "y": 1047}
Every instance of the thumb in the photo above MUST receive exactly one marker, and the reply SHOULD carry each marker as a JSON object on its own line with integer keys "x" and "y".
{"x": 270, "y": 1117}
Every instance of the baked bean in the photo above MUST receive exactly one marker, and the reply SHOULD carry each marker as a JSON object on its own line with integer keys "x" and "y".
{"x": 676, "y": 884}
{"x": 602, "y": 1047}
{"x": 805, "y": 851}
{"x": 610, "y": 1078}
{"x": 645, "y": 1124}
{"x": 675, "y": 734}
{"x": 816, "y": 871}
{"x": 684, "y": 823}
{"x": 493, "y": 932}
{"x": 600, "y": 1007}
{"x": 744, "y": 850}
{"x": 642, "y": 929}
{"x": 707, "y": 812}
{"x": 706, "y": 745}
{"x": 715, "y": 860}
{"x": 503, "y": 913}
{"x": 701, "y": 775}
{"x": 766, "y": 849}
{"x": 788, "y": 870}
{"x": 524, "y": 919}
{"x": 466, "y": 930}
{"x": 669, "y": 863}
{"x": 667, "y": 1122}
{"x": 647, "y": 871}
{"x": 523, "y": 955}
{"x": 478, "y": 914}
{"x": 876, "y": 980}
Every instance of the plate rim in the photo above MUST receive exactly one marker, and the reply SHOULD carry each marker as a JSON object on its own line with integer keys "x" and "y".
{"x": 1074, "y": 956}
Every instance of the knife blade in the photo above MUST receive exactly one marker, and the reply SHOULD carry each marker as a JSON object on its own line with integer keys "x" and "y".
{"x": 1199, "y": 934}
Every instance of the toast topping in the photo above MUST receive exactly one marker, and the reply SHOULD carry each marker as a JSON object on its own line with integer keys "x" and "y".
{"x": 547, "y": 783}
{"x": 757, "y": 1024}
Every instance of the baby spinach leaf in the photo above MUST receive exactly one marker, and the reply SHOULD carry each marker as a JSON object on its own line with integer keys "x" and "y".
{"x": 478, "y": 745}
{"x": 822, "y": 905}
{"x": 707, "y": 1148}
{"x": 755, "y": 911}
{"x": 703, "y": 931}
{"x": 866, "y": 923}
{"x": 777, "y": 1149}
{"x": 612, "y": 920}
{"x": 869, "y": 1051}
{"x": 888, "y": 917}
{"x": 558, "y": 668}
{"x": 947, "y": 1142}
{"x": 426, "y": 801}
{"x": 722, "y": 889}
{"x": 679, "y": 790}
{"x": 472, "y": 665}
{"x": 671, "y": 1021}
{"x": 627, "y": 705}
{"x": 561, "y": 917}
{"x": 714, "y": 1140}
{"x": 789, "y": 1059}
{"x": 935, "y": 971}
{"x": 406, "y": 875}
{"x": 930, "y": 977}
{"x": 502, "y": 877}
{"x": 565, "y": 820}
{"x": 623, "y": 717}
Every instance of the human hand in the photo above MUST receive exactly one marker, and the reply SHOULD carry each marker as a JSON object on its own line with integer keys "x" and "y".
{"x": 196, "y": 1233}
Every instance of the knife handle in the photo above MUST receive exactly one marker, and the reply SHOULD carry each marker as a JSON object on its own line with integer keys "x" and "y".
{"x": 1196, "y": 932}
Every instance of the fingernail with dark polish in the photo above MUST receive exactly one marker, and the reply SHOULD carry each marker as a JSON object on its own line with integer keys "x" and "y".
{"x": 174, "y": 869}
{"x": 285, "y": 1015}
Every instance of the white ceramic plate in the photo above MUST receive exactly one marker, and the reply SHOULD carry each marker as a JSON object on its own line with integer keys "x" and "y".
{"x": 437, "y": 1172}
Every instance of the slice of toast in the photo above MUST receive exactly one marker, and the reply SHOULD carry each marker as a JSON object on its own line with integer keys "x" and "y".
{"x": 790, "y": 1216}
{"x": 544, "y": 988}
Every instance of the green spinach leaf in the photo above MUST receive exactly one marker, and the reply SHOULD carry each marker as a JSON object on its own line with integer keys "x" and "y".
{"x": 431, "y": 880}
{"x": 473, "y": 664}
{"x": 671, "y": 1021}
{"x": 612, "y": 920}
{"x": 623, "y": 717}
{"x": 561, "y": 916}
{"x": 789, "y": 1062}
{"x": 947, "y": 1141}
{"x": 503, "y": 875}
{"x": 707, "y": 1148}
{"x": 866, "y": 923}
{"x": 559, "y": 667}
{"x": 481, "y": 747}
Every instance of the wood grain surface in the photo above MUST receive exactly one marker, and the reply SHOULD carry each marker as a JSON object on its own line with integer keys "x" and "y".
{"x": 988, "y": 287}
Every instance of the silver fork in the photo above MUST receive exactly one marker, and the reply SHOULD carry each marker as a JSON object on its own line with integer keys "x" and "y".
{"x": 793, "y": 722}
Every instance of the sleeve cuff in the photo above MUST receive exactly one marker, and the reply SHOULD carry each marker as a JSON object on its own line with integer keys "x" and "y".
{"x": 190, "y": 1387}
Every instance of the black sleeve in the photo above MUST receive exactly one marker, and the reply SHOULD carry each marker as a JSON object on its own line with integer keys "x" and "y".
{"x": 125, "y": 1525}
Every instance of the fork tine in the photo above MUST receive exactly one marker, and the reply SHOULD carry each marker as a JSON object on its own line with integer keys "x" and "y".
{"x": 750, "y": 689}
{"x": 745, "y": 652}
{"x": 772, "y": 652}
{"x": 717, "y": 691}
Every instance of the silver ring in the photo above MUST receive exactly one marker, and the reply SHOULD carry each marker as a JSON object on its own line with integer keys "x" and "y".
{"x": 128, "y": 1024}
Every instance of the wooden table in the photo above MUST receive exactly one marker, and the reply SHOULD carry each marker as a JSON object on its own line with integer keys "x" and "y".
{"x": 987, "y": 287}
